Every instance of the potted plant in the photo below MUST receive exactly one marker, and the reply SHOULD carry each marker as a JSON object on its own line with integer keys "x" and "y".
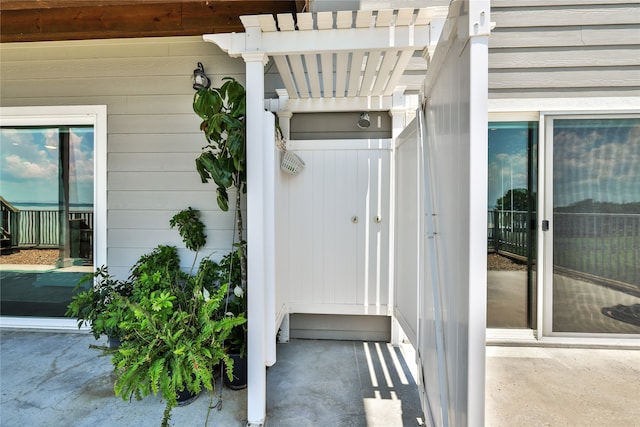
{"x": 96, "y": 306}
{"x": 223, "y": 160}
{"x": 235, "y": 305}
{"x": 174, "y": 329}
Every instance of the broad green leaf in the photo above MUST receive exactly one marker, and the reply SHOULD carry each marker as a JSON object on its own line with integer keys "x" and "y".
{"x": 223, "y": 199}
{"x": 237, "y": 149}
{"x": 205, "y": 102}
{"x": 202, "y": 171}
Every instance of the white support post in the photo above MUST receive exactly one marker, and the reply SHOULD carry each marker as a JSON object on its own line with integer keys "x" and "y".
{"x": 284, "y": 119}
{"x": 269, "y": 186}
{"x": 479, "y": 30}
{"x": 256, "y": 233}
{"x": 397, "y": 113}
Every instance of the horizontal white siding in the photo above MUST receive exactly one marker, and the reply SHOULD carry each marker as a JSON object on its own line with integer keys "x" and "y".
{"x": 564, "y": 15}
{"x": 575, "y": 37}
{"x": 545, "y": 48}
{"x": 562, "y": 57}
{"x": 153, "y": 134}
{"x": 541, "y": 3}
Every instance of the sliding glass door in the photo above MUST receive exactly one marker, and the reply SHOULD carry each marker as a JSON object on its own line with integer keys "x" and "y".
{"x": 47, "y": 189}
{"x": 593, "y": 209}
{"x": 511, "y": 297}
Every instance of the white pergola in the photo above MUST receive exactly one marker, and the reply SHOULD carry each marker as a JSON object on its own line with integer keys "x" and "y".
{"x": 341, "y": 61}
{"x": 328, "y": 61}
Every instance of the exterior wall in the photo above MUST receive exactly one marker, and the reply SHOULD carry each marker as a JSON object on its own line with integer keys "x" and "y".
{"x": 153, "y": 134}
{"x": 564, "y": 48}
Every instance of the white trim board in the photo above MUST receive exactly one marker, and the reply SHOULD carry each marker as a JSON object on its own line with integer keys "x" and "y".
{"x": 564, "y": 105}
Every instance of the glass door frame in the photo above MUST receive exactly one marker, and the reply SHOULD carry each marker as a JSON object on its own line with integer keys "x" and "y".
{"x": 96, "y": 116}
{"x": 545, "y": 229}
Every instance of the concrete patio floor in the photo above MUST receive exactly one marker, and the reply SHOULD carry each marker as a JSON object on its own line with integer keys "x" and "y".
{"x": 562, "y": 387}
{"x": 55, "y": 379}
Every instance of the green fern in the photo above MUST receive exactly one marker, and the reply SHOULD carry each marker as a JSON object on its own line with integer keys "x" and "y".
{"x": 174, "y": 330}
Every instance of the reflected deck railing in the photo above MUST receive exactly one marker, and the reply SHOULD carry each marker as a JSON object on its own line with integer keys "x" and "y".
{"x": 605, "y": 246}
{"x": 508, "y": 232}
{"x": 41, "y": 228}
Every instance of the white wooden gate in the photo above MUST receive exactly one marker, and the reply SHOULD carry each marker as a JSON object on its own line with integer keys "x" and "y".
{"x": 339, "y": 228}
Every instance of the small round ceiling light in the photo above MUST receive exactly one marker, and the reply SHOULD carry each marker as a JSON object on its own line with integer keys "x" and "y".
{"x": 364, "y": 121}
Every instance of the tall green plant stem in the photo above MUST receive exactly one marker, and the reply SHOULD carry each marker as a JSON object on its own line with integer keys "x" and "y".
{"x": 240, "y": 229}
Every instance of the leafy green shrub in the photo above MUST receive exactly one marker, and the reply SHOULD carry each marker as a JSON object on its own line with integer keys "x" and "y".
{"x": 97, "y": 306}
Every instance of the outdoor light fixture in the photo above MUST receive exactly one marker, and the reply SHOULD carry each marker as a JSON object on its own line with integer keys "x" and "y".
{"x": 364, "y": 122}
{"x": 200, "y": 79}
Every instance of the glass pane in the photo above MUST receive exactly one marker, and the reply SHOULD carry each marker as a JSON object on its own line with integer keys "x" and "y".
{"x": 46, "y": 183}
{"x": 596, "y": 231}
{"x": 511, "y": 250}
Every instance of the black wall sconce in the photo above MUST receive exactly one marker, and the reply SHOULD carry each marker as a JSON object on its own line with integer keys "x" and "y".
{"x": 200, "y": 79}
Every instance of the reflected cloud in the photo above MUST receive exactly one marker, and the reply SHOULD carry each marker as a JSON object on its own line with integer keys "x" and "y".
{"x": 18, "y": 167}
{"x": 506, "y": 171}
{"x": 29, "y": 166}
{"x": 596, "y": 159}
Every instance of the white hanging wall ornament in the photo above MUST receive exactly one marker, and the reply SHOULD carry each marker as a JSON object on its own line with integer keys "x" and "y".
{"x": 291, "y": 163}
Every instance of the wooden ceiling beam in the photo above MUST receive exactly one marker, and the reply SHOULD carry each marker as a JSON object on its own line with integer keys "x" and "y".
{"x": 45, "y": 20}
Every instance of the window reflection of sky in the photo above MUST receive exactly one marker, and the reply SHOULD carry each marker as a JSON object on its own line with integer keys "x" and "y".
{"x": 507, "y": 158}
{"x": 597, "y": 159}
{"x": 29, "y": 165}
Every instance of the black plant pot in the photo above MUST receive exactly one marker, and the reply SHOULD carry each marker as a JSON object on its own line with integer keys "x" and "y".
{"x": 114, "y": 342}
{"x": 239, "y": 373}
{"x": 185, "y": 397}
